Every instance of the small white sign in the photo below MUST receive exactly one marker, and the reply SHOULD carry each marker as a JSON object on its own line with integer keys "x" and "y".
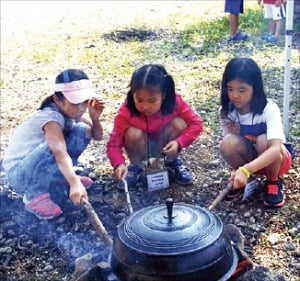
{"x": 249, "y": 189}
{"x": 157, "y": 180}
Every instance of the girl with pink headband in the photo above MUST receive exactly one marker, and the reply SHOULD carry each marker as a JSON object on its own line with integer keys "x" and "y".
{"x": 44, "y": 147}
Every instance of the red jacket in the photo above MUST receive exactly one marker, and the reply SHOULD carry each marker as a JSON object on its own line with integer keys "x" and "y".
{"x": 154, "y": 123}
{"x": 271, "y": 1}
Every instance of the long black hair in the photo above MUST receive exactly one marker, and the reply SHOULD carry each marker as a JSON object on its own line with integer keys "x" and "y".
{"x": 245, "y": 70}
{"x": 152, "y": 77}
{"x": 65, "y": 76}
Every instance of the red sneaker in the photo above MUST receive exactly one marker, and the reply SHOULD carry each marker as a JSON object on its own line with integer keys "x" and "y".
{"x": 42, "y": 206}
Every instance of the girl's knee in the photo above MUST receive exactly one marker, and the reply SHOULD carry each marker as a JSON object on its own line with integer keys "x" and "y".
{"x": 229, "y": 142}
{"x": 134, "y": 135}
{"x": 178, "y": 124}
{"x": 261, "y": 144}
{"x": 175, "y": 127}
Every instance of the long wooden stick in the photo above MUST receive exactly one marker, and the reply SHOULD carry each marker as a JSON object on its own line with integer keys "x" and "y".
{"x": 127, "y": 196}
{"x": 96, "y": 222}
{"x": 221, "y": 196}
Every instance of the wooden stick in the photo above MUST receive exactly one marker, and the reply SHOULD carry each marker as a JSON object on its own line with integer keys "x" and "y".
{"x": 221, "y": 195}
{"x": 96, "y": 222}
{"x": 127, "y": 196}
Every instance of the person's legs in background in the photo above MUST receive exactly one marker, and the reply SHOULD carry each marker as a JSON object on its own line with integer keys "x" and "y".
{"x": 234, "y": 8}
{"x": 233, "y": 24}
{"x": 274, "y": 14}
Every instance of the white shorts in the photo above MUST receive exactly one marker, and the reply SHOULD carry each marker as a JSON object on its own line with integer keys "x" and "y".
{"x": 273, "y": 12}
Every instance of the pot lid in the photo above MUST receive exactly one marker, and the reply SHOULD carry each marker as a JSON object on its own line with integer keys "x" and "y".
{"x": 170, "y": 229}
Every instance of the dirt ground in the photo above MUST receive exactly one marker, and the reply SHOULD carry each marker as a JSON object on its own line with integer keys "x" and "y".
{"x": 45, "y": 250}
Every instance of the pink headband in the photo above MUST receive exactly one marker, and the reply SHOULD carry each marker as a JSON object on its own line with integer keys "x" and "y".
{"x": 77, "y": 91}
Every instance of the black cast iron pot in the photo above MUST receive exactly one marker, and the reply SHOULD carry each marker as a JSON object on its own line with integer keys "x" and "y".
{"x": 174, "y": 243}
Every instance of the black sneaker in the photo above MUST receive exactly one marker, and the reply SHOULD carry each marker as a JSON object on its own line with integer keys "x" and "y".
{"x": 273, "y": 194}
{"x": 133, "y": 175}
{"x": 179, "y": 172}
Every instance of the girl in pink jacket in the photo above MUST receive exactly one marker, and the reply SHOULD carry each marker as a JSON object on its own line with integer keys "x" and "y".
{"x": 153, "y": 121}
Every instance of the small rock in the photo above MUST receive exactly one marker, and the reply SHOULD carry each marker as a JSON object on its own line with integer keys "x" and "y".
{"x": 92, "y": 175}
{"x": 61, "y": 220}
{"x": 289, "y": 246}
{"x": 5, "y": 250}
{"x": 120, "y": 216}
{"x": 48, "y": 268}
{"x": 247, "y": 215}
{"x": 214, "y": 163}
{"x": 273, "y": 238}
{"x": 293, "y": 231}
{"x": 28, "y": 243}
{"x": 189, "y": 194}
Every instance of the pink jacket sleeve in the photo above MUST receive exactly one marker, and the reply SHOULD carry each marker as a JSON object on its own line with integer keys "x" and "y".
{"x": 193, "y": 121}
{"x": 115, "y": 143}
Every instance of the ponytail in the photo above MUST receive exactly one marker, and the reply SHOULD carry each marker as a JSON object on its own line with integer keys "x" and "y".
{"x": 168, "y": 91}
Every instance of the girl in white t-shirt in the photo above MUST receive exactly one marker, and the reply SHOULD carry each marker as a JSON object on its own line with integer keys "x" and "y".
{"x": 253, "y": 135}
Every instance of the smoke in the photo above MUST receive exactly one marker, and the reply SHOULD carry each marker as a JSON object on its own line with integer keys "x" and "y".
{"x": 74, "y": 245}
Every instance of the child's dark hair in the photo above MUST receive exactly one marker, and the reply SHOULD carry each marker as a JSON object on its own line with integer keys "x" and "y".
{"x": 152, "y": 77}
{"x": 65, "y": 76}
{"x": 245, "y": 70}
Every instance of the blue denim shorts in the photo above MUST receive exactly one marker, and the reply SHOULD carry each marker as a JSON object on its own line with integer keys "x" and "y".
{"x": 234, "y": 6}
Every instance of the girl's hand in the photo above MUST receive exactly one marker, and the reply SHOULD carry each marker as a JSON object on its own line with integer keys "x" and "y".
{"x": 77, "y": 191}
{"x": 229, "y": 126}
{"x": 120, "y": 172}
{"x": 233, "y": 128}
{"x": 95, "y": 108}
{"x": 239, "y": 179}
{"x": 171, "y": 148}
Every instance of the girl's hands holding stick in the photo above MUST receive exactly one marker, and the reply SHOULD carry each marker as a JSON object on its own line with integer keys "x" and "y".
{"x": 238, "y": 179}
{"x": 120, "y": 172}
{"x": 77, "y": 192}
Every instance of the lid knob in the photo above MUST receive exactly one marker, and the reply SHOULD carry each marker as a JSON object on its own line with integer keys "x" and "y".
{"x": 169, "y": 204}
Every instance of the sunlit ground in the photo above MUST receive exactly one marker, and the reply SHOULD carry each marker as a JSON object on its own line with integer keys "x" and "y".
{"x": 20, "y": 18}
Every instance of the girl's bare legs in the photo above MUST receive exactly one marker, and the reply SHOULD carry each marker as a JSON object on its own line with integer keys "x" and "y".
{"x": 273, "y": 169}
{"x": 172, "y": 131}
{"x": 236, "y": 150}
{"x": 277, "y": 25}
{"x": 233, "y": 23}
{"x": 135, "y": 142}
{"x": 272, "y": 27}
